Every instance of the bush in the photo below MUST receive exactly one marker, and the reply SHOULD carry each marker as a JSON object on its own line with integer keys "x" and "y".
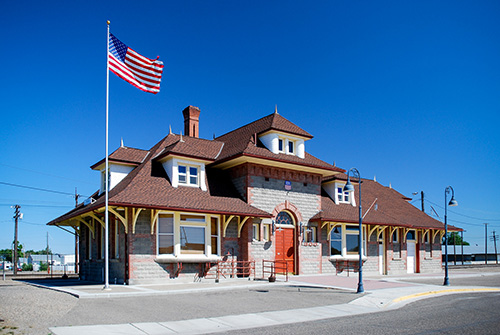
{"x": 27, "y": 267}
{"x": 43, "y": 266}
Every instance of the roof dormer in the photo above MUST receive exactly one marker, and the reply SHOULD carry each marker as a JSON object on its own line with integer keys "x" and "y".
{"x": 282, "y": 143}
{"x": 185, "y": 172}
{"x": 335, "y": 190}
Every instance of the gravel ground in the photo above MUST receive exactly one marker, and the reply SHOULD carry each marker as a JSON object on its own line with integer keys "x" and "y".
{"x": 25, "y": 309}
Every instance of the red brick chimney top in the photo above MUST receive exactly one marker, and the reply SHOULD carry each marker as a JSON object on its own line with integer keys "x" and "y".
{"x": 191, "y": 121}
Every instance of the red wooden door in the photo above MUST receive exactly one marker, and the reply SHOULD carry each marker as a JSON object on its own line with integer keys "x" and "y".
{"x": 285, "y": 249}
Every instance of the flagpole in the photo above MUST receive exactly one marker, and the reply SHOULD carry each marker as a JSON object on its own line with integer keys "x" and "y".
{"x": 106, "y": 176}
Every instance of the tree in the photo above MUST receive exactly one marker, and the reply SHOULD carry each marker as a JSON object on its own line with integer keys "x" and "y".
{"x": 7, "y": 254}
{"x": 455, "y": 239}
{"x": 39, "y": 252}
{"x": 43, "y": 266}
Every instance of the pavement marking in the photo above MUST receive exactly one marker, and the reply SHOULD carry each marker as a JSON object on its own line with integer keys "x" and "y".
{"x": 421, "y": 294}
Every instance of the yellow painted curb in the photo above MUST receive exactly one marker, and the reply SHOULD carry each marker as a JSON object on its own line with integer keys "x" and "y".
{"x": 416, "y": 295}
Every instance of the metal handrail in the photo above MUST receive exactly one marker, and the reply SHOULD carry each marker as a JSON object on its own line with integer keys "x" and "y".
{"x": 274, "y": 268}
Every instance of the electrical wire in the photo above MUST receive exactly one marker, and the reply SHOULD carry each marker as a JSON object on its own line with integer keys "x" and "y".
{"x": 32, "y": 205}
{"x": 467, "y": 216}
{"x": 45, "y": 174}
{"x": 39, "y": 189}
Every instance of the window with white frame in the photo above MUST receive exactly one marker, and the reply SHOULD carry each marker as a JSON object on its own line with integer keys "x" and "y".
{"x": 188, "y": 234}
{"x": 342, "y": 197}
{"x": 291, "y": 147}
{"x": 192, "y": 234}
{"x": 344, "y": 240}
{"x": 266, "y": 232}
{"x": 255, "y": 232}
{"x": 336, "y": 241}
{"x": 352, "y": 239}
{"x": 188, "y": 175}
{"x": 310, "y": 236}
{"x": 286, "y": 146}
{"x": 166, "y": 234}
{"x": 214, "y": 237}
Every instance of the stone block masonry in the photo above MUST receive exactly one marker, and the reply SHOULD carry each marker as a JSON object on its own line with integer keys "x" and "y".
{"x": 310, "y": 258}
{"x": 266, "y": 195}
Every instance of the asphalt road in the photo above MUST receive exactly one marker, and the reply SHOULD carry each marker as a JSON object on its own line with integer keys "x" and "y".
{"x": 476, "y": 313}
{"x": 203, "y": 304}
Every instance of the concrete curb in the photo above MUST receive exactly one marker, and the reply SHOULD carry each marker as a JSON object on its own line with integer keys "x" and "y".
{"x": 421, "y": 295}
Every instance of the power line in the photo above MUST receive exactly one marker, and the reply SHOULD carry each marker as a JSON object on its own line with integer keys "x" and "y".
{"x": 467, "y": 216}
{"x": 45, "y": 174}
{"x": 32, "y": 205}
{"x": 470, "y": 224}
{"x": 38, "y": 189}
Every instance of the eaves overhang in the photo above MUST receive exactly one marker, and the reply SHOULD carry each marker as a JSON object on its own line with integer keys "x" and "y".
{"x": 277, "y": 162}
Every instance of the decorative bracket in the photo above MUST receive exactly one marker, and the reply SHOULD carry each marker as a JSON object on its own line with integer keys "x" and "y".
{"x": 225, "y": 223}
{"x": 154, "y": 217}
{"x": 332, "y": 226}
{"x": 240, "y": 224}
{"x": 95, "y": 217}
{"x": 370, "y": 232}
{"x": 121, "y": 218}
{"x": 90, "y": 226}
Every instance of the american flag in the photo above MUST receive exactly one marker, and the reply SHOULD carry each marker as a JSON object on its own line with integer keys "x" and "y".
{"x": 142, "y": 72}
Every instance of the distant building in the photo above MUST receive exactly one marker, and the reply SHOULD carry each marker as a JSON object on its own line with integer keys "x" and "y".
{"x": 53, "y": 259}
{"x": 250, "y": 195}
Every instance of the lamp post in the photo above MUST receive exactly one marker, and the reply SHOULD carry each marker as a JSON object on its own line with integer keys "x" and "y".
{"x": 350, "y": 188}
{"x": 452, "y": 203}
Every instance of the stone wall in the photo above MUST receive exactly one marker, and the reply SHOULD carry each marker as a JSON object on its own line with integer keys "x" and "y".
{"x": 310, "y": 258}
{"x": 267, "y": 194}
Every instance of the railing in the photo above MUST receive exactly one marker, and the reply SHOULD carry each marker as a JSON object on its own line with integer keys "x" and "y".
{"x": 348, "y": 266}
{"x": 229, "y": 269}
{"x": 273, "y": 268}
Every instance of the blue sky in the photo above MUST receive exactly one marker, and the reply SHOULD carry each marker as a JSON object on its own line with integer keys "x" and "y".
{"x": 404, "y": 91}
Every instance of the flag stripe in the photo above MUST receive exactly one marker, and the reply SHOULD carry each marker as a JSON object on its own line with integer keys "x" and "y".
{"x": 123, "y": 72}
{"x": 140, "y": 71}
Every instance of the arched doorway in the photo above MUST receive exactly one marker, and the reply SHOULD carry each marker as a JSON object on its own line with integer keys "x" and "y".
{"x": 284, "y": 238}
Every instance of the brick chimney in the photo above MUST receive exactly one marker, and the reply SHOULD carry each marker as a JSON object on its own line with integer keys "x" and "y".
{"x": 191, "y": 121}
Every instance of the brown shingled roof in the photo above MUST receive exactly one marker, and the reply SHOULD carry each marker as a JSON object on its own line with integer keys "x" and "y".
{"x": 241, "y": 142}
{"x": 148, "y": 186}
{"x": 125, "y": 155}
{"x": 192, "y": 147}
{"x": 237, "y": 140}
{"x": 392, "y": 209}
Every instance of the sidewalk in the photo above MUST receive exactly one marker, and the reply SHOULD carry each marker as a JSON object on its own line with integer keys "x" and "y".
{"x": 381, "y": 294}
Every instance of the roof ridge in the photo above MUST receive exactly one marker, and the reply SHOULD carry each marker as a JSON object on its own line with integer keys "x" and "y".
{"x": 244, "y": 126}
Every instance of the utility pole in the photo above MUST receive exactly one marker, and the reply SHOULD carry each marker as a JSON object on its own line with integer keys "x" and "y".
{"x": 422, "y": 200}
{"x": 462, "y": 247}
{"x": 17, "y": 215}
{"x": 495, "y": 238}
{"x": 485, "y": 243}
{"x": 76, "y": 198}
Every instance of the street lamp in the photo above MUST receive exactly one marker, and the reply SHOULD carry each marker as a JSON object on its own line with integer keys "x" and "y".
{"x": 349, "y": 188}
{"x": 452, "y": 203}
